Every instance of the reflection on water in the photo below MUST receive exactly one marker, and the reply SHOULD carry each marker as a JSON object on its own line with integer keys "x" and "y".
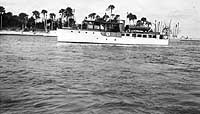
{"x": 39, "y": 75}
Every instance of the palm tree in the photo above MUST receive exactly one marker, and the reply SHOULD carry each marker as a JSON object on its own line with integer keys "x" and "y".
{"x": 144, "y": 20}
{"x": 132, "y": 17}
{"x": 97, "y": 17}
{"x": 68, "y": 13}
{"x": 116, "y": 17}
{"x": 111, "y": 8}
{"x": 139, "y": 23}
{"x": 92, "y": 15}
{"x": 23, "y": 17}
{"x": 36, "y": 15}
{"x": 31, "y": 22}
{"x": 2, "y": 11}
{"x": 8, "y": 17}
{"x": 44, "y": 12}
{"x": 52, "y": 17}
{"x": 105, "y": 17}
{"x": 62, "y": 13}
{"x": 9, "y": 14}
{"x": 148, "y": 23}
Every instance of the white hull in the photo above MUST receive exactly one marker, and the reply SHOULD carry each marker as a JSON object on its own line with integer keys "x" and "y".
{"x": 84, "y": 36}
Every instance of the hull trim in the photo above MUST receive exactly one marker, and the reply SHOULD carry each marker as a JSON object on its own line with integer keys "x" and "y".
{"x": 109, "y": 43}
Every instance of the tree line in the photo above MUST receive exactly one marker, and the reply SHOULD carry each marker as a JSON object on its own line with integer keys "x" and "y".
{"x": 38, "y": 21}
{"x": 113, "y": 17}
{"x": 25, "y": 22}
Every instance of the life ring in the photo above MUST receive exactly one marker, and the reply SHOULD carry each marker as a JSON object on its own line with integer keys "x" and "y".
{"x": 107, "y": 33}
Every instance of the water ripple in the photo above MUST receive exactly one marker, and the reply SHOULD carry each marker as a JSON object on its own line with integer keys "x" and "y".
{"x": 39, "y": 75}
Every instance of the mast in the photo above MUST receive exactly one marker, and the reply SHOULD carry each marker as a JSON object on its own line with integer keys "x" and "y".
{"x": 155, "y": 26}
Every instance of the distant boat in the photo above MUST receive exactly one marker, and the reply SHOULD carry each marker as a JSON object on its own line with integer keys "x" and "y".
{"x": 185, "y": 38}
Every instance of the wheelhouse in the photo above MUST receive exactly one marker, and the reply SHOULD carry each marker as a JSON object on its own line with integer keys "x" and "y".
{"x": 110, "y": 26}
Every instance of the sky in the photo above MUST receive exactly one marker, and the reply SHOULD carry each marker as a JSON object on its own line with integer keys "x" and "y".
{"x": 186, "y": 12}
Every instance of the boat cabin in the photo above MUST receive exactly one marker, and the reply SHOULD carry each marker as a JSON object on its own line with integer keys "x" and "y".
{"x": 110, "y": 26}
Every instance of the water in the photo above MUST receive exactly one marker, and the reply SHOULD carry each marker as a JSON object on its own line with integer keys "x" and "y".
{"x": 40, "y": 76}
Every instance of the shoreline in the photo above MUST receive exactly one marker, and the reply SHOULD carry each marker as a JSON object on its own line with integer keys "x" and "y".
{"x": 29, "y": 33}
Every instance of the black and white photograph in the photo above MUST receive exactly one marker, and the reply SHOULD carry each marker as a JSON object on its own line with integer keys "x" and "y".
{"x": 100, "y": 57}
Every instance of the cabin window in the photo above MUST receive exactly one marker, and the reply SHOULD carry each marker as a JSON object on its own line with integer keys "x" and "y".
{"x": 150, "y": 36}
{"x": 71, "y": 31}
{"x": 133, "y": 35}
{"x": 139, "y": 35}
{"x": 123, "y": 35}
{"x": 127, "y": 34}
{"x": 93, "y": 32}
{"x": 154, "y": 36}
{"x": 161, "y": 37}
{"x": 86, "y": 32}
{"x": 79, "y": 32}
{"x": 144, "y": 36}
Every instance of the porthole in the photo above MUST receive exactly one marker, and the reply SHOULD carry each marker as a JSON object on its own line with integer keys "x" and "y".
{"x": 144, "y": 36}
{"x": 133, "y": 35}
{"x": 139, "y": 35}
{"x": 150, "y": 36}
